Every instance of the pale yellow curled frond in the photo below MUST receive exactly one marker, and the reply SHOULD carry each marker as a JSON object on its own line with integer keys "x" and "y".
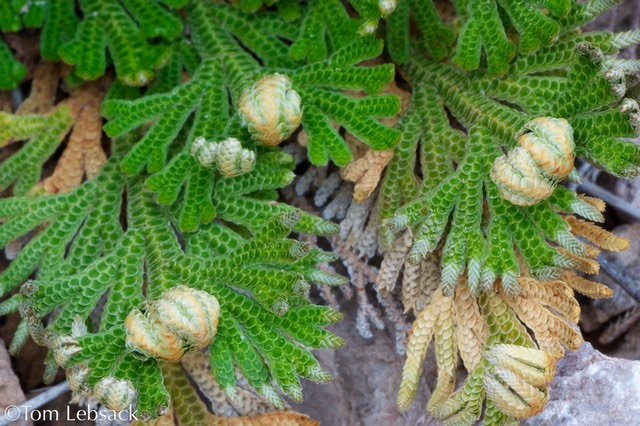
{"x": 597, "y": 203}
{"x": 521, "y": 400}
{"x": 550, "y": 142}
{"x": 598, "y": 236}
{"x": 591, "y": 289}
{"x": 182, "y": 320}
{"x": 392, "y": 263}
{"x": 418, "y": 342}
{"x": 555, "y": 294}
{"x": 446, "y": 350}
{"x": 519, "y": 179}
{"x": 271, "y": 109}
{"x": 529, "y": 172}
{"x": 366, "y": 172}
{"x": 536, "y": 366}
{"x": 583, "y": 264}
{"x": 472, "y": 328}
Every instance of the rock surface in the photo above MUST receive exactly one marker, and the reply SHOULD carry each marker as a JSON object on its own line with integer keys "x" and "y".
{"x": 591, "y": 388}
{"x": 10, "y": 390}
{"x": 367, "y": 374}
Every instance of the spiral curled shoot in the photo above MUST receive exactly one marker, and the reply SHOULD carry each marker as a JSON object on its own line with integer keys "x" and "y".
{"x": 545, "y": 154}
{"x": 228, "y": 156}
{"x": 182, "y": 320}
{"x": 271, "y": 109}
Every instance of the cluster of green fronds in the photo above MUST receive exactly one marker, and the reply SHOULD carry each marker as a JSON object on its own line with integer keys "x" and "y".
{"x": 136, "y": 34}
{"x": 460, "y": 122}
{"x": 571, "y": 79}
{"x": 222, "y": 68}
{"x": 163, "y": 212}
{"x": 45, "y": 134}
{"x": 495, "y": 29}
{"x": 83, "y": 255}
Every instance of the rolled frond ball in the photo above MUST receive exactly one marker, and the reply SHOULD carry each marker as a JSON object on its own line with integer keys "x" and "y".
{"x": 149, "y": 337}
{"x": 271, "y": 109}
{"x": 550, "y": 142}
{"x": 190, "y": 314}
{"x": 233, "y": 159}
{"x": 205, "y": 153}
{"x": 115, "y": 394}
{"x": 519, "y": 179}
{"x": 182, "y": 320}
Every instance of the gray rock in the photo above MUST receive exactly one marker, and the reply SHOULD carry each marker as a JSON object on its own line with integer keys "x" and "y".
{"x": 591, "y": 388}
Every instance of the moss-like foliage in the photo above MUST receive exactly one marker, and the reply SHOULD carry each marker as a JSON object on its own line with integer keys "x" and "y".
{"x": 485, "y": 197}
{"x": 167, "y": 135}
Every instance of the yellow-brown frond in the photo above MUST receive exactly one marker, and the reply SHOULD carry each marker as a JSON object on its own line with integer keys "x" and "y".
{"x": 597, "y": 203}
{"x": 591, "y": 289}
{"x": 446, "y": 350}
{"x": 598, "y": 236}
{"x": 471, "y": 327}
{"x": 584, "y": 264}
{"x": 555, "y": 294}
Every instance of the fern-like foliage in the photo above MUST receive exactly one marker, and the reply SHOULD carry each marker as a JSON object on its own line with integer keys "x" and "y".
{"x": 485, "y": 201}
{"x": 168, "y": 236}
{"x": 128, "y": 30}
{"x": 260, "y": 282}
{"x": 224, "y": 71}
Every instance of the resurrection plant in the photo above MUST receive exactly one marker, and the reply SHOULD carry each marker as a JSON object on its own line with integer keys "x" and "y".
{"x": 148, "y": 143}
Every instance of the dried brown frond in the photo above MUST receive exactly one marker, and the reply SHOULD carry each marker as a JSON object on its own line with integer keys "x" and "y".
{"x": 598, "y": 236}
{"x": 392, "y": 263}
{"x": 591, "y": 251}
{"x": 591, "y": 289}
{"x": 366, "y": 172}
{"x": 277, "y": 418}
{"x": 550, "y": 330}
{"x": 83, "y": 154}
{"x": 554, "y": 294}
{"x": 41, "y": 99}
{"x": 472, "y": 327}
{"x": 245, "y": 403}
{"x": 584, "y": 264}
